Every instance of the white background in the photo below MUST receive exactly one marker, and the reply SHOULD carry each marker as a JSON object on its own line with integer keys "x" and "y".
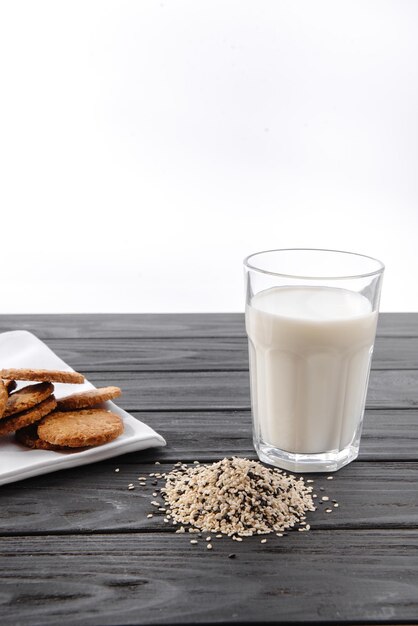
{"x": 147, "y": 146}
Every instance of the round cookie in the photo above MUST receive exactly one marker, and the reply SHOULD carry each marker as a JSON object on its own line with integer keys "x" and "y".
{"x": 27, "y": 397}
{"x": 53, "y": 376}
{"x": 77, "y": 429}
{"x": 4, "y": 396}
{"x": 87, "y": 399}
{"x": 20, "y": 420}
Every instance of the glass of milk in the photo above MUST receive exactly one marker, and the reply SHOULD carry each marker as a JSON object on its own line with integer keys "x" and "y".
{"x": 311, "y": 319}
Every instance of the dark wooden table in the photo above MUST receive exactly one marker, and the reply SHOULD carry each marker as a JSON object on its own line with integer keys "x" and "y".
{"x": 77, "y": 547}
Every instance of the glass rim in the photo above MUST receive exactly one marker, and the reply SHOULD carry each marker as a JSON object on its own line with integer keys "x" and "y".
{"x": 249, "y": 266}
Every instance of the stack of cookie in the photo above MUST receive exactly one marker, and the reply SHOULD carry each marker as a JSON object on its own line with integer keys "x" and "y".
{"x": 40, "y": 421}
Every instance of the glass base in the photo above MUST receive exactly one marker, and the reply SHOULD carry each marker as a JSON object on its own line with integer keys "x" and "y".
{"x": 325, "y": 462}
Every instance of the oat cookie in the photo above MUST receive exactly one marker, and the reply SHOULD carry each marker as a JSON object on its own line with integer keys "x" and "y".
{"x": 87, "y": 399}
{"x": 20, "y": 420}
{"x": 3, "y": 397}
{"x": 77, "y": 429}
{"x": 53, "y": 376}
{"x": 10, "y": 385}
{"x": 27, "y": 397}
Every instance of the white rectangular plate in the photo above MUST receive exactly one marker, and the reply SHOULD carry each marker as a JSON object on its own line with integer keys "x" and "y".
{"x": 22, "y": 349}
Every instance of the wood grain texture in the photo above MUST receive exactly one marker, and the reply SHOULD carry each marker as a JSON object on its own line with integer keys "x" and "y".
{"x": 370, "y": 495}
{"x": 324, "y": 576}
{"x": 128, "y": 325}
{"x": 395, "y": 389}
{"x": 136, "y": 355}
{"x": 387, "y": 435}
{"x": 76, "y": 546}
{"x": 198, "y": 354}
{"x": 164, "y": 325}
{"x": 395, "y": 353}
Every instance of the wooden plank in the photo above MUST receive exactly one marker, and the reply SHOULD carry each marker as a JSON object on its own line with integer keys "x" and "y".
{"x": 395, "y": 353}
{"x": 394, "y": 389}
{"x": 136, "y": 355}
{"x": 161, "y": 325}
{"x": 390, "y": 435}
{"x": 387, "y": 435}
{"x": 198, "y": 354}
{"x": 97, "y": 499}
{"x": 177, "y": 390}
{"x": 312, "y": 577}
{"x": 398, "y": 325}
{"x": 127, "y": 325}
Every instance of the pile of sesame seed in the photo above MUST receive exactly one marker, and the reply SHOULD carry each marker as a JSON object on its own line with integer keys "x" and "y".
{"x": 237, "y": 497}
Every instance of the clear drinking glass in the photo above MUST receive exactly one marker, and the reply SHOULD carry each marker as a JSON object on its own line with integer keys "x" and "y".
{"x": 311, "y": 318}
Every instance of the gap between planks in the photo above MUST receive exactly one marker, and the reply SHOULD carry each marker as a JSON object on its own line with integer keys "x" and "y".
{"x": 164, "y": 532}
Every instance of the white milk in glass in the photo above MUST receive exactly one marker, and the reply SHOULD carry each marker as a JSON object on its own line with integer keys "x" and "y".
{"x": 310, "y": 353}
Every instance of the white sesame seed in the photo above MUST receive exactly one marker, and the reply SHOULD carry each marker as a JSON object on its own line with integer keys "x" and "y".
{"x": 236, "y": 497}
{"x": 150, "y": 515}
{"x": 155, "y": 494}
{"x": 166, "y": 520}
{"x": 330, "y": 477}
{"x": 328, "y": 510}
{"x": 209, "y": 546}
{"x": 309, "y": 480}
{"x": 131, "y": 486}
{"x": 157, "y": 463}
{"x": 336, "y": 505}
{"x": 325, "y": 498}
{"x": 154, "y": 503}
{"x": 279, "y": 534}
{"x": 208, "y": 538}
{"x": 218, "y": 536}
{"x": 117, "y": 470}
{"x": 263, "y": 541}
{"x": 193, "y": 541}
